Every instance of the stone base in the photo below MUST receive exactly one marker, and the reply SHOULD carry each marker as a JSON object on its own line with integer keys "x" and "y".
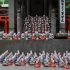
{"x": 62, "y": 28}
{"x": 11, "y": 29}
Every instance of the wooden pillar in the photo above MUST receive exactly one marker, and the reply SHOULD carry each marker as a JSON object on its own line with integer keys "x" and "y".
{"x": 28, "y": 7}
{"x": 45, "y": 7}
{"x": 6, "y": 26}
{"x": 22, "y": 12}
{"x": 50, "y": 7}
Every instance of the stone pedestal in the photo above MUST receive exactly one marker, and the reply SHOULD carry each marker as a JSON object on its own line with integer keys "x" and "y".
{"x": 62, "y": 27}
{"x": 12, "y": 6}
{"x": 53, "y": 22}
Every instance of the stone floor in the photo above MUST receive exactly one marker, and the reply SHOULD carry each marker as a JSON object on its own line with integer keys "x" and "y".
{"x": 28, "y": 68}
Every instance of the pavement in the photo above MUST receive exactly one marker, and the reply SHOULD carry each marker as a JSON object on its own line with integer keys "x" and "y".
{"x": 29, "y": 68}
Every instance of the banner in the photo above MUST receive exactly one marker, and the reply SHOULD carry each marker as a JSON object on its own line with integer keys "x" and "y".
{"x": 62, "y": 11}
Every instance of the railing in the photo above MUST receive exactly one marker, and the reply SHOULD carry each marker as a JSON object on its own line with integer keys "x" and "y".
{"x": 3, "y": 12}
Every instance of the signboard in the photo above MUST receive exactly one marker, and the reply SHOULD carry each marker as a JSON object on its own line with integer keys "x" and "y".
{"x": 62, "y": 11}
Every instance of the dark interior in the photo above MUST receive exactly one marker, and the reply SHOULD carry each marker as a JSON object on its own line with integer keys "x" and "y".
{"x": 1, "y": 26}
{"x": 36, "y": 7}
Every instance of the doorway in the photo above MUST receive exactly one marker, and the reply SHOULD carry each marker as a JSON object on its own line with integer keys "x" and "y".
{"x": 36, "y": 7}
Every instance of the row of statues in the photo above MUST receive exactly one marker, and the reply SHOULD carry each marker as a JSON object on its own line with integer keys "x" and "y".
{"x": 26, "y": 36}
{"x": 43, "y": 59}
{"x": 37, "y": 23}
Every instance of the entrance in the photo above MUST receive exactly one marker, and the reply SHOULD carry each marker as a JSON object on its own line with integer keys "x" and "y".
{"x": 36, "y": 7}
